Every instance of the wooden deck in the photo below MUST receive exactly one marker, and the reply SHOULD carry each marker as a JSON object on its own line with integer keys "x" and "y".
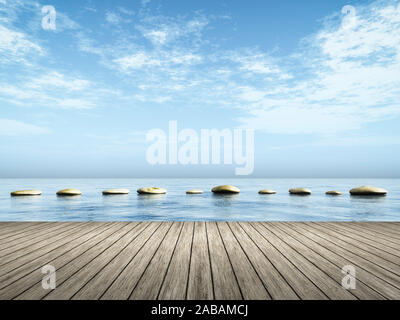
{"x": 185, "y": 260}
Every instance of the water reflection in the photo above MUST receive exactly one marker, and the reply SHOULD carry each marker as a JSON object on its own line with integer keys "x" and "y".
{"x": 26, "y": 199}
{"x": 150, "y": 199}
{"x": 369, "y": 199}
{"x": 176, "y": 205}
{"x": 224, "y": 200}
{"x": 116, "y": 199}
{"x": 68, "y": 198}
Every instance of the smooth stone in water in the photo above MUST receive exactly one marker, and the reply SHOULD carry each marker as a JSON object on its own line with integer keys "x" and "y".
{"x": 225, "y": 189}
{"x": 368, "y": 191}
{"x": 300, "y": 191}
{"x": 194, "y": 191}
{"x": 69, "y": 192}
{"x": 151, "y": 190}
{"x": 116, "y": 191}
{"x": 267, "y": 191}
{"x": 334, "y": 193}
{"x": 21, "y": 193}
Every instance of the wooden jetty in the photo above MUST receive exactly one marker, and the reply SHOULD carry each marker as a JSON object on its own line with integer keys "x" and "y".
{"x": 200, "y": 260}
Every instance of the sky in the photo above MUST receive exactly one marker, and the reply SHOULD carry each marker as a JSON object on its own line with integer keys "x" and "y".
{"x": 318, "y": 82}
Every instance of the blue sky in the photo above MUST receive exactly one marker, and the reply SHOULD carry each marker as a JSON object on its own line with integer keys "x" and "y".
{"x": 320, "y": 87}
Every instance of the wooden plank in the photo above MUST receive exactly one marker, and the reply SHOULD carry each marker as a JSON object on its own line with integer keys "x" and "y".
{"x": 224, "y": 279}
{"x": 200, "y": 285}
{"x": 97, "y": 286}
{"x": 326, "y": 284}
{"x": 75, "y": 278}
{"x": 250, "y": 284}
{"x": 30, "y": 239}
{"x": 348, "y": 253}
{"x": 363, "y": 292}
{"x": 275, "y": 283}
{"x": 31, "y": 258}
{"x": 16, "y": 230}
{"x": 123, "y": 285}
{"x": 376, "y": 246}
{"x": 75, "y": 263}
{"x": 6, "y": 226}
{"x": 151, "y": 280}
{"x": 198, "y": 260}
{"x": 28, "y": 275}
{"x": 370, "y": 235}
{"x": 393, "y": 228}
{"x": 316, "y": 244}
{"x": 380, "y": 230}
{"x": 359, "y": 250}
{"x": 175, "y": 282}
{"x": 303, "y": 287}
{"x": 41, "y": 247}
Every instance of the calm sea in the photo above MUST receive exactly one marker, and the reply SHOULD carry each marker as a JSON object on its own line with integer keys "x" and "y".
{"x": 177, "y": 206}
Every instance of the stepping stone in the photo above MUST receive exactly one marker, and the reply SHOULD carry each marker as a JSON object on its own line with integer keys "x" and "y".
{"x": 22, "y": 193}
{"x": 115, "y": 191}
{"x": 151, "y": 190}
{"x": 368, "y": 191}
{"x": 300, "y": 191}
{"x": 333, "y": 193}
{"x": 225, "y": 190}
{"x": 194, "y": 191}
{"x": 267, "y": 191}
{"x": 69, "y": 192}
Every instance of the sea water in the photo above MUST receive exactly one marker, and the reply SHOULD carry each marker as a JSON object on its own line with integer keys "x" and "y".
{"x": 177, "y": 206}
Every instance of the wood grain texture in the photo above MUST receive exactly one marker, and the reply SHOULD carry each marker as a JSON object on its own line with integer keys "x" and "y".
{"x": 200, "y": 284}
{"x": 225, "y": 282}
{"x": 200, "y": 260}
{"x": 176, "y": 279}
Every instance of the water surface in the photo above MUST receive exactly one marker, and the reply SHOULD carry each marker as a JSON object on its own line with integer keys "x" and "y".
{"x": 177, "y": 206}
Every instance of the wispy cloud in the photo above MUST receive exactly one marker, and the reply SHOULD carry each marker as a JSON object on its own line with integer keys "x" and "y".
{"x": 112, "y": 17}
{"x": 33, "y": 82}
{"x": 350, "y": 77}
{"x": 17, "y": 128}
{"x": 340, "y": 79}
{"x": 15, "y": 47}
{"x": 161, "y": 59}
{"x": 54, "y": 90}
{"x": 161, "y": 30}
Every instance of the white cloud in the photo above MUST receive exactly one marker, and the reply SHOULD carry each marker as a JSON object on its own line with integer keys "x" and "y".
{"x": 255, "y": 63}
{"x": 64, "y": 22}
{"x": 126, "y": 11}
{"x": 354, "y": 79}
{"x": 340, "y": 79}
{"x": 251, "y": 94}
{"x": 54, "y": 90}
{"x": 157, "y": 37}
{"x": 155, "y": 59}
{"x": 115, "y": 18}
{"x": 56, "y": 79}
{"x": 145, "y": 2}
{"x": 112, "y": 17}
{"x": 16, "y": 47}
{"x": 137, "y": 61}
{"x": 161, "y": 30}
{"x": 17, "y": 128}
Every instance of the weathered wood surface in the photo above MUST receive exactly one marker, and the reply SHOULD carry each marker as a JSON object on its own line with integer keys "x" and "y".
{"x": 200, "y": 260}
